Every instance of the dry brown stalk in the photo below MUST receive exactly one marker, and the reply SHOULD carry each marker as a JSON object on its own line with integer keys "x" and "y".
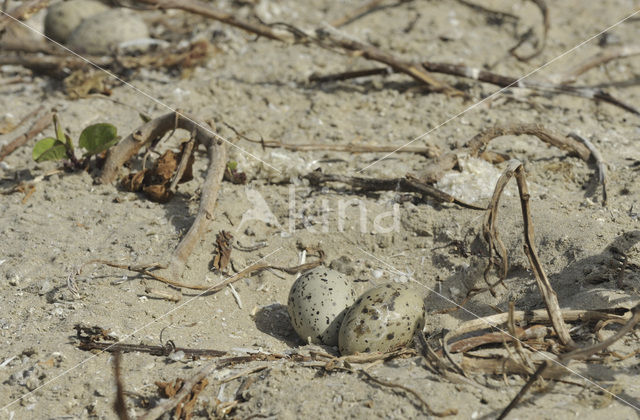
{"x": 332, "y": 38}
{"x": 603, "y": 57}
{"x": 408, "y": 183}
{"x": 516, "y": 169}
{"x": 209, "y": 289}
{"x": 429, "y": 151}
{"x": 577, "y": 354}
{"x": 217, "y": 152}
{"x": 357, "y": 13}
{"x": 461, "y": 70}
{"x": 204, "y": 9}
{"x": 597, "y": 157}
{"x": 477, "y": 147}
{"x": 38, "y": 126}
{"x": 120, "y": 404}
{"x": 544, "y": 10}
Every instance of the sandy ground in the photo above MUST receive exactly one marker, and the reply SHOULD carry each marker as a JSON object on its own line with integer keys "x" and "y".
{"x": 259, "y": 86}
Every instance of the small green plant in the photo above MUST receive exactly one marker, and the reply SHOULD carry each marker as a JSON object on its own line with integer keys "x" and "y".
{"x": 94, "y": 139}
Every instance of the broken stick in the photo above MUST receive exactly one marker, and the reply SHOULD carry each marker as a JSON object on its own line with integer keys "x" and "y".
{"x": 217, "y": 152}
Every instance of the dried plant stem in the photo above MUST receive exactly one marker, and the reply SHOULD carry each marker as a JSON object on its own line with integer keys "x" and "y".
{"x": 577, "y": 354}
{"x": 332, "y": 38}
{"x": 188, "y": 385}
{"x": 408, "y": 183}
{"x": 603, "y": 57}
{"x": 485, "y": 76}
{"x": 38, "y": 126}
{"x": 356, "y": 13}
{"x": 217, "y": 152}
{"x": 210, "y": 289}
{"x": 544, "y": 10}
{"x": 597, "y": 157}
{"x": 204, "y": 9}
{"x": 119, "y": 405}
{"x": 477, "y": 147}
{"x": 516, "y": 169}
{"x": 427, "y": 151}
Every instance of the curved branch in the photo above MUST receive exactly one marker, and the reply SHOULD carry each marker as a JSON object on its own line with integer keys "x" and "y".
{"x": 217, "y": 152}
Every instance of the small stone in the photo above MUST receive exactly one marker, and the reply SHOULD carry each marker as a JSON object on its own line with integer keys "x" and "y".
{"x": 101, "y": 33}
{"x": 343, "y": 265}
{"x": 62, "y": 18}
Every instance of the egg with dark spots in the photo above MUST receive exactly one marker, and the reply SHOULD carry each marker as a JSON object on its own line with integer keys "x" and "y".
{"x": 382, "y": 319}
{"x": 318, "y": 300}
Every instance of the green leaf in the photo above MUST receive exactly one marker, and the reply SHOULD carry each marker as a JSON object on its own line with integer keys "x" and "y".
{"x": 98, "y": 137}
{"x": 232, "y": 165}
{"x": 49, "y": 149}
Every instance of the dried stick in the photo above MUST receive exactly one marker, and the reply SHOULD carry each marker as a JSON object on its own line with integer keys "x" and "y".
{"x": 357, "y": 13}
{"x": 119, "y": 405}
{"x": 535, "y": 316}
{"x": 603, "y": 57}
{"x": 10, "y": 127}
{"x": 516, "y": 168}
{"x": 461, "y": 70}
{"x": 602, "y": 176}
{"x": 22, "y": 12}
{"x": 38, "y": 125}
{"x": 204, "y": 9}
{"x": 217, "y": 152}
{"x": 578, "y": 354}
{"x": 477, "y": 145}
{"x": 546, "y": 25}
{"x": 408, "y": 183}
{"x": 538, "y": 373}
{"x": 428, "y": 151}
{"x": 184, "y": 162}
{"x": 188, "y": 385}
{"x": 490, "y": 12}
{"x": 332, "y": 38}
{"x": 209, "y": 289}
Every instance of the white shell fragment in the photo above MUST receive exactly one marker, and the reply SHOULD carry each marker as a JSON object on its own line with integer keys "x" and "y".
{"x": 382, "y": 319}
{"x": 62, "y": 18}
{"x": 318, "y": 300}
{"x": 101, "y": 33}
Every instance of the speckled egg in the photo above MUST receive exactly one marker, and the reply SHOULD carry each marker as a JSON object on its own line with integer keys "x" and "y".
{"x": 318, "y": 300}
{"x": 382, "y": 319}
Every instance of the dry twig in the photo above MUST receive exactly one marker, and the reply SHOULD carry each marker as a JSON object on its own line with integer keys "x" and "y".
{"x": 217, "y": 152}
{"x": 603, "y": 57}
{"x": 38, "y": 126}
{"x": 331, "y": 38}
{"x": 408, "y": 183}
{"x": 516, "y": 168}
{"x": 461, "y": 70}
{"x": 577, "y": 354}
{"x": 544, "y": 10}
{"x": 204, "y": 9}
{"x": 207, "y": 288}
{"x": 120, "y": 404}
